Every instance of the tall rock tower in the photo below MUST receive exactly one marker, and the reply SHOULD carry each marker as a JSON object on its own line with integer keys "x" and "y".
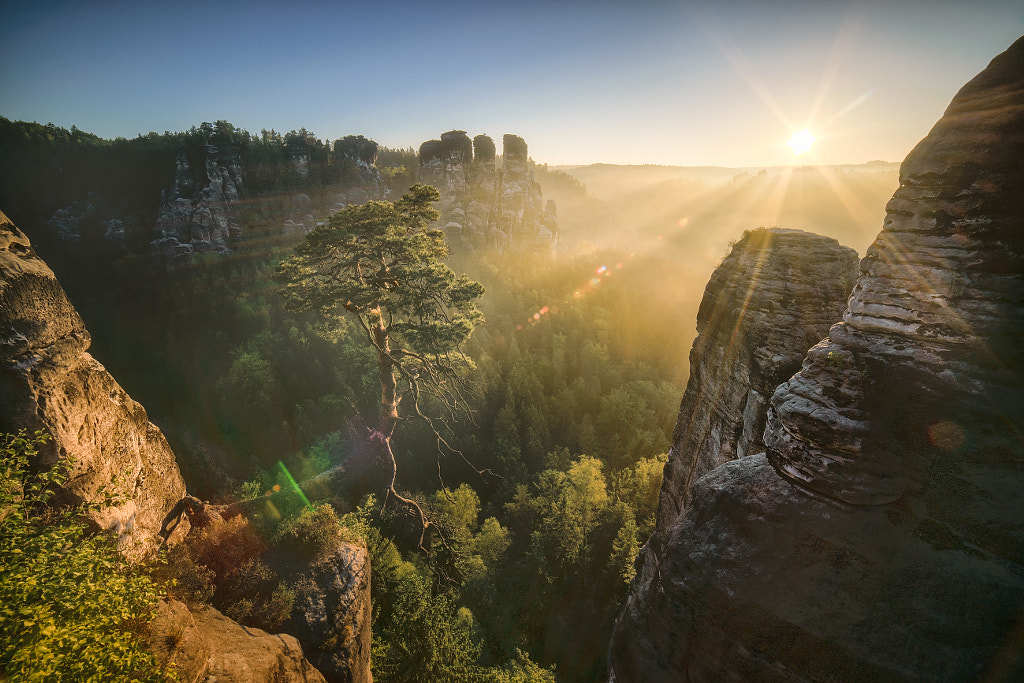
{"x": 489, "y": 207}
{"x": 881, "y": 535}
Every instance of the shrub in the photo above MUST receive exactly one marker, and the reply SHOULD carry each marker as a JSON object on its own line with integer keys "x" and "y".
{"x": 313, "y": 533}
{"x": 192, "y": 582}
{"x": 225, "y": 546}
{"x": 71, "y": 608}
{"x": 254, "y": 595}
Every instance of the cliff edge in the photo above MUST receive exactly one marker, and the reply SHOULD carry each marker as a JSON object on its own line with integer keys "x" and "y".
{"x": 48, "y": 381}
{"x": 881, "y": 536}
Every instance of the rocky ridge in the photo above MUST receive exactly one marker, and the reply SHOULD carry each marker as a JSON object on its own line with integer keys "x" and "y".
{"x": 200, "y": 219}
{"x": 776, "y": 293}
{"x": 48, "y": 381}
{"x": 204, "y": 645}
{"x": 880, "y": 537}
{"x": 491, "y": 207}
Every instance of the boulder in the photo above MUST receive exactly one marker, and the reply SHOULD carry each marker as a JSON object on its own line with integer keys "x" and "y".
{"x": 204, "y": 645}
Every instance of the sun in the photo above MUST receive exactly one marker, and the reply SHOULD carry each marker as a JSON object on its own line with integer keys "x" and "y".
{"x": 801, "y": 142}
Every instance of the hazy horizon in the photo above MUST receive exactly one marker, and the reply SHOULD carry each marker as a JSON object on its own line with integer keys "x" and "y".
{"x": 665, "y": 83}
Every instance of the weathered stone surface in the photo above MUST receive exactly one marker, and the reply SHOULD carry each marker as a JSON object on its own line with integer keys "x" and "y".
{"x": 882, "y": 535}
{"x": 205, "y": 645}
{"x": 332, "y": 615}
{"x": 200, "y": 219}
{"x": 776, "y": 293}
{"x": 490, "y": 208}
{"x": 176, "y": 642}
{"x": 48, "y": 381}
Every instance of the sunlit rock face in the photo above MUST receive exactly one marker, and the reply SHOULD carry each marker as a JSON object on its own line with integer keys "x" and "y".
{"x": 775, "y": 294}
{"x": 332, "y": 615}
{"x": 200, "y": 219}
{"x": 881, "y": 537}
{"x": 491, "y": 207}
{"x": 204, "y": 645}
{"x": 48, "y": 381}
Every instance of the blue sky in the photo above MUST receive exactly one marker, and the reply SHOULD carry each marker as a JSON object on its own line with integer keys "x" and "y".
{"x": 647, "y": 81}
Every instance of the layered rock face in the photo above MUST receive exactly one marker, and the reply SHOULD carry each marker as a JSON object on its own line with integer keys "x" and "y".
{"x": 882, "y": 535}
{"x": 200, "y": 219}
{"x": 332, "y": 616}
{"x": 48, "y": 381}
{"x": 491, "y": 207}
{"x": 775, "y": 294}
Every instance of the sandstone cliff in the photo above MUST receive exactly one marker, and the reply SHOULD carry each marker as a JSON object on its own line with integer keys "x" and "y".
{"x": 204, "y": 645}
{"x": 333, "y": 614}
{"x": 490, "y": 207}
{"x": 882, "y": 536}
{"x": 203, "y": 218}
{"x": 48, "y": 381}
{"x": 775, "y": 294}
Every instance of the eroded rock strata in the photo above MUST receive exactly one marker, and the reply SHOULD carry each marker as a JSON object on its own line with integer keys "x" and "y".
{"x": 204, "y": 645}
{"x": 48, "y": 381}
{"x": 775, "y": 294}
{"x": 332, "y": 614}
{"x": 882, "y": 535}
{"x": 201, "y": 219}
{"x": 491, "y": 207}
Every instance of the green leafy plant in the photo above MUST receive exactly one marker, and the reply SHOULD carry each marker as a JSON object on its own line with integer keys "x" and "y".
{"x": 71, "y": 608}
{"x": 313, "y": 533}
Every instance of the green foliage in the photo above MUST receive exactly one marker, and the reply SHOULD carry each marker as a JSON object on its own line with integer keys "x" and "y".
{"x": 638, "y": 488}
{"x": 312, "y": 534}
{"x": 625, "y": 549}
{"x": 254, "y": 595}
{"x": 566, "y": 506}
{"x": 460, "y": 508}
{"x": 380, "y": 264}
{"x": 71, "y": 609}
{"x": 492, "y": 542}
{"x": 421, "y": 635}
{"x": 521, "y": 669}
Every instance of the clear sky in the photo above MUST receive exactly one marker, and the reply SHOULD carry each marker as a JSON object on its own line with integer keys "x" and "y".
{"x": 583, "y": 81}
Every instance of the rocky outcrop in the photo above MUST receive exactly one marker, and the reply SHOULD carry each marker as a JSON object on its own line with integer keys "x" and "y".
{"x": 775, "y": 294}
{"x": 491, "y": 207}
{"x": 204, "y": 645}
{"x": 69, "y": 223}
{"x": 368, "y": 183}
{"x": 332, "y": 614}
{"x": 49, "y": 382}
{"x": 881, "y": 537}
{"x": 200, "y": 219}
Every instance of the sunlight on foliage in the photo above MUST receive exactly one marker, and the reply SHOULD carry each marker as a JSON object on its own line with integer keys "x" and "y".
{"x": 71, "y": 608}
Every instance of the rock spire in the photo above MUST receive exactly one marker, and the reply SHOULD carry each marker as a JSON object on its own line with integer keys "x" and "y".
{"x": 881, "y": 536}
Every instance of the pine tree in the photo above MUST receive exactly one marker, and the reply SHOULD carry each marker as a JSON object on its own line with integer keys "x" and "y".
{"x": 379, "y": 265}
